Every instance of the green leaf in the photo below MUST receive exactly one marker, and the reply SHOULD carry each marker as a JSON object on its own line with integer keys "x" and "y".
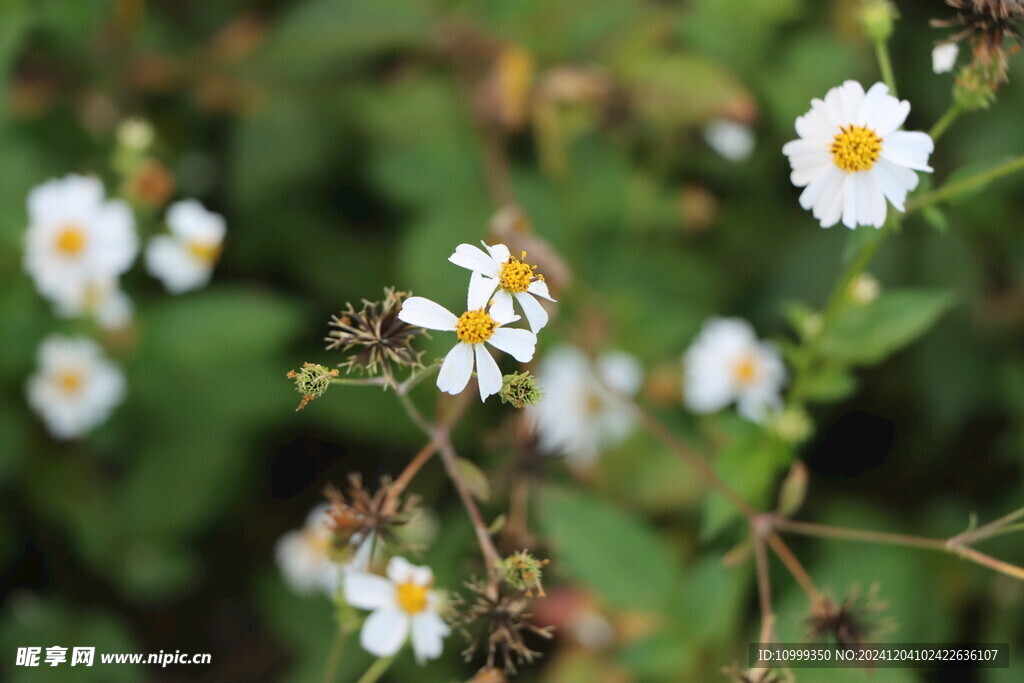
{"x": 869, "y": 334}
{"x": 607, "y": 548}
{"x": 474, "y": 479}
{"x": 829, "y": 384}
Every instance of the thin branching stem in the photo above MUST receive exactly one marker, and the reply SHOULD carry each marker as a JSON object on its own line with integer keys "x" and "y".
{"x": 956, "y": 188}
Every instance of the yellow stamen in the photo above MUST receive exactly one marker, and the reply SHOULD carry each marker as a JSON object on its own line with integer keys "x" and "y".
{"x": 204, "y": 251}
{"x": 70, "y": 381}
{"x": 475, "y": 327}
{"x": 70, "y": 240}
{"x": 856, "y": 148}
{"x": 746, "y": 370}
{"x": 516, "y": 275}
{"x": 411, "y": 597}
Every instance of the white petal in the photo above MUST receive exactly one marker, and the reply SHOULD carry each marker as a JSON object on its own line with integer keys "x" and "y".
{"x": 475, "y": 259}
{"x": 488, "y": 376}
{"x": 425, "y": 313}
{"x": 518, "y": 343}
{"x": 535, "y": 313}
{"x": 816, "y": 125}
{"x": 850, "y": 206}
{"x": 889, "y": 115}
{"x": 944, "y": 57}
{"x": 829, "y": 208}
{"x": 908, "y": 148}
{"x": 428, "y": 632}
{"x": 822, "y": 188}
{"x": 456, "y": 369}
{"x": 873, "y": 102}
{"x": 875, "y": 198}
{"x": 540, "y": 288}
{"x": 480, "y": 290}
{"x": 501, "y": 309}
{"x": 891, "y": 179}
{"x": 499, "y": 252}
{"x": 851, "y": 96}
{"x": 368, "y": 591}
{"x": 400, "y": 570}
{"x": 384, "y": 632}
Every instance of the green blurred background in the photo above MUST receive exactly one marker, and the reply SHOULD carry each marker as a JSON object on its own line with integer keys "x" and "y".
{"x": 337, "y": 140}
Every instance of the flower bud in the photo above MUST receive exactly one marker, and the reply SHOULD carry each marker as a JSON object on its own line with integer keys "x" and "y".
{"x": 520, "y": 389}
{"x": 312, "y": 381}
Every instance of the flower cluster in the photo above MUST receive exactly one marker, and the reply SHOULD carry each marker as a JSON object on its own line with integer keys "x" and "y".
{"x": 77, "y": 246}
{"x": 497, "y": 278}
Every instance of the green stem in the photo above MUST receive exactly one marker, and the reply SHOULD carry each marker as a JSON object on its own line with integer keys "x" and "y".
{"x": 376, "y": 670}
{"x": 334, "y": 656}
{"x": 885, "y": 64}
{"x": 959, "y": 187}
{"x": 945, "y": 121}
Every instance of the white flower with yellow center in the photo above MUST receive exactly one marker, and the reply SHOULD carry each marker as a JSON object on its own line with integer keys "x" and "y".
{"x": 728, "y": 363}
{"x": 76, "y": 238}
{"x": 850, "y": 156}
{"x": 184, "y": 259}
{"x": 579, "y": 416}
{"x": 480, "y": 324}
{"x": 496, "y": 272}
{"x": 76, "y": 387}
{"x": 401, "y": 604}
{"x": 302, "y": 555}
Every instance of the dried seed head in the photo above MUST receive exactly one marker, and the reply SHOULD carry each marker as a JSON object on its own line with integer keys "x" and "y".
{"x": 852, "y": 622}
{"x": 380, "y": 341}
{"x": 498, "y": 617}
{"x": 357, "y": 514}
{"x": 312, "y": 381}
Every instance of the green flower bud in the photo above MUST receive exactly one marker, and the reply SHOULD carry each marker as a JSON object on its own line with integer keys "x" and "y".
{"x": 877, "y": 17}
{"x": 312, "y": 381}
{"x": 520, "y": 389}
{"x": 523, "y": 571}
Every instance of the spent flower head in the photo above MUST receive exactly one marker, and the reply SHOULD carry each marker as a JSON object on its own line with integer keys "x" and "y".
{"x": 986, "y": 24}
{"x": 357, "y": 514}
{"x": 853, "y": 621}
{"x": 380, "y": 341}
{"x": 521, "y": 389}
{"x": 497, "y": 619}
{"x": 312, "y": 381}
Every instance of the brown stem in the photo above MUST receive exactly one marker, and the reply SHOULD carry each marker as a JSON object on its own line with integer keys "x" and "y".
{"x": 988, "y": 561}
{"x": 987, "y": 530}
{"x": 764, "y": 592}
{"x": 796, "y": 569}
{"x": 410, "y": 471}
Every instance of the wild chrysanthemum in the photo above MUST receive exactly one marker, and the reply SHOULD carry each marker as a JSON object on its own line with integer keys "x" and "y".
{"x": 986, "y": 23}
{"x": 580, "y": 414}
{"x": 185, "y": 258}
{"x": 380, "y": 340}
{"x": 304, "y": 557}
{"x": 850, "y": 156}
{"x": 728, "y": 363}
{"x": 76, "y": 387}
{"x": 499, "y": 273}
{"x": 76, "y": 240}
{"x": 480, "y": 324}
{"x": 401, "y": 604}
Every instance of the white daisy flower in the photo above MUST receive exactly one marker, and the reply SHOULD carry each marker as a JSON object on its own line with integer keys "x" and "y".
{"x": 184, "y": 259}
{"x": 851, "y": 157}
{"x": 103, "y": 300}
{"x": 727, "y": 363}
{"x": 400, "y": 604}
{"x": 497, "y": 269}
{"x": 476, "y": 326}
{"x": 76, "y": 237}
{"x": 734, "y": 141}
{"x": 944, "y": 57}
{"x": 579, "y": 416}
{"x": 76, "y": 387}
{"x": 302, "y": 555}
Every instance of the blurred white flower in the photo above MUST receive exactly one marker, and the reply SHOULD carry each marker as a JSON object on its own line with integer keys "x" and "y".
{"x": 497, "y": 269}
{"x": 76, "y": 239}
{"x": 944, "y": 57}
{"x": 473, "y": 328}
{"x": 101, "y": 299}
{"x": 75, "y": 387}
{"x": 184, "y": 259}
{"x": 851, "y": 158}
{"x": 734, "y": 141}
{"x": 579, "y": 416}
{"x": 302, "y": 555}
{"x": 400, "y": 604}
{"x": 727, "y": 363}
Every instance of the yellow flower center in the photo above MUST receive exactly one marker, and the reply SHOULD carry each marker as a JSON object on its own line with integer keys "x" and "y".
{"x": 70, "y": 240}
{"x": 475, "y": 327}
{"x": 70, "y": 382}
{"x": 856, "y": 148}
{"x": 517, "y": 275}
{"x": 203, "y": 251}
{"x": 412, "y": 597}
{"x": 746, "y": 370}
